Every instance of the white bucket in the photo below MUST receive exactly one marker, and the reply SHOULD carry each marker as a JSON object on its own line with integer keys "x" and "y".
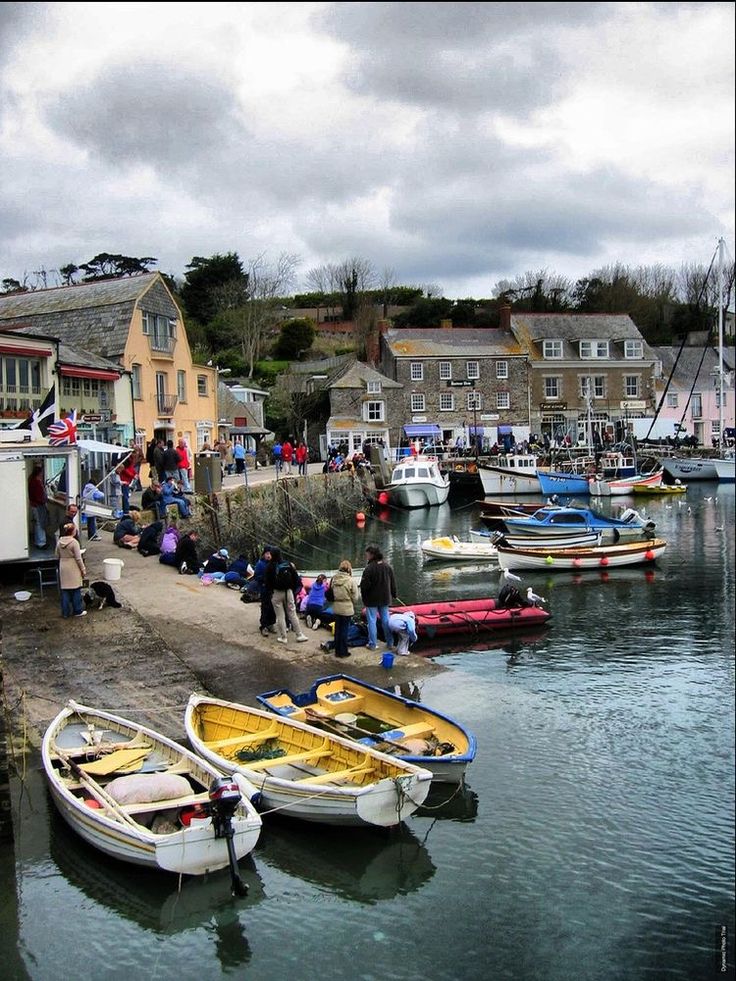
{"x": 112, "y": 569}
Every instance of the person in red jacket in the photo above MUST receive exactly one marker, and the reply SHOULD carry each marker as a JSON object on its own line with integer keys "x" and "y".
{"x": 287, "y": 454}
{"x": 127, "y": 473}
{"x": 302, "y": 455}
{"x": 185, "y": 466}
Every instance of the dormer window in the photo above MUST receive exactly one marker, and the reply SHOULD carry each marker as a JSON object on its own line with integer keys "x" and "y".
{"x": 373, "y": 387}
{"x": 552, "y": 350}
{"x": 633, "y": 350}
{"x": 591, "y": 350}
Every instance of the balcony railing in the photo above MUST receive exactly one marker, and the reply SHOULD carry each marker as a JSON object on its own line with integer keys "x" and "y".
{"x": 166, "y": 404}
{"x": 161, "y": 346}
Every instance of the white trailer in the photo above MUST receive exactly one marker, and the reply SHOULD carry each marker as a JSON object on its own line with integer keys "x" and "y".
{"x": 62, "y": 479}
{"x": 662, "y": 428}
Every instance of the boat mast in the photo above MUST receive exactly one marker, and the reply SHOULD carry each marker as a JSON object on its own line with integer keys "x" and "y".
{"x": 720, "y": 345}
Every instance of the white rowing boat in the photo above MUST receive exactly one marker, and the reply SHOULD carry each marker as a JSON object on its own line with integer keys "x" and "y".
{"x": 455, "y": 550}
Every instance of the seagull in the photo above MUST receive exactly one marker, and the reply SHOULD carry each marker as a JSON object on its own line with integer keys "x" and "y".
{"x": 507, "y": 576}
{"x": 707, "y": 498}
{"x": 534, "y": 598}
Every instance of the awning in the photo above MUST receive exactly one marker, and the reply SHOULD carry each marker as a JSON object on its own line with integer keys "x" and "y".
{"x": 477, "y": 430}
{"x": 25, "y": 352}
{"x": 100, "y": 374}
{"x": 428, "y": 429}
{"x": 97, "y": 446}
{"x": 505, "y": 430}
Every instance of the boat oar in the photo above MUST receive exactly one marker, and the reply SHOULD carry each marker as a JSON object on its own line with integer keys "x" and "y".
{"x": 340, "y": 727}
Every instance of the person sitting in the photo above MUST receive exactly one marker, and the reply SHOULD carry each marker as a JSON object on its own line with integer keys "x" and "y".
{"x": 148, "y": 541}
{"x": 128, "y": 530}
{"x": 403, "y": 627}
{"x": 240, "y": 574}
{"x": 217, "y": 562}
{"x": 186, "y": 557}
{"x": 153, "y": 500}
{"x": 169, "y": 541}
{"x": 171, "y": 495}
{"x": 316, "y": 602}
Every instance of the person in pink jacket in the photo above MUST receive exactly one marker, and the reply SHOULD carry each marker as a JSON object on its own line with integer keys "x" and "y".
{"x": 185, "y": 466}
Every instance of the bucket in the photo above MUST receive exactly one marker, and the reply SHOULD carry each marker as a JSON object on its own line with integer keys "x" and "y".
{"x": 387, "y": 659}
{"x": 112, "y": 569}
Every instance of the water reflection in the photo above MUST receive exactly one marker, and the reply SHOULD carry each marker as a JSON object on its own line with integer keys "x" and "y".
{"x": 154, "y": 900}
{"x": 507, "y": 641}
{"x": 445, "y": 802}
{"x": 366, "y": 866}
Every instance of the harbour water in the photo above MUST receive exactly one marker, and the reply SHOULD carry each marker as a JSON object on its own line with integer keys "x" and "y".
{"x": 594, "y": 838}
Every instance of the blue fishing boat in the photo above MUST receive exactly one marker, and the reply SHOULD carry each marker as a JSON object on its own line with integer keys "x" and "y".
{"x": 570, "y": 484}
{"x": 629, "y": 525}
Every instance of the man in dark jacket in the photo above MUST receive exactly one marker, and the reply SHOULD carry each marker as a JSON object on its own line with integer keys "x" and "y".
{"x": 187, "y": 559}
{"x": 171, "y": 460}
{"x": 377, "y": 590}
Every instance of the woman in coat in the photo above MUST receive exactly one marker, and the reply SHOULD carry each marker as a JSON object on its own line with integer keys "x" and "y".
{"x": 345, "y": 591}
{"x": 71, "y": 572}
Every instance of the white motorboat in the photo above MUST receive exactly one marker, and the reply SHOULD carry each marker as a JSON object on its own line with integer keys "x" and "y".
{"x": 418, "y": 483}
{"x": 455, "y": 550}
{"x": 516, "y": 475}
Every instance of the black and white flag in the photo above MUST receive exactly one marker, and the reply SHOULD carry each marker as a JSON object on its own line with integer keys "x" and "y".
{"x": 42, "y": 417}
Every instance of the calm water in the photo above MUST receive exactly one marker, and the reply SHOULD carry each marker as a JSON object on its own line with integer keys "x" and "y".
{"x": 594, "y": 840}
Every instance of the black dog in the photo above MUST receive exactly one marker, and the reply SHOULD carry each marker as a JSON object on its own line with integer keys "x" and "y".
{"x": 100, "y": 594}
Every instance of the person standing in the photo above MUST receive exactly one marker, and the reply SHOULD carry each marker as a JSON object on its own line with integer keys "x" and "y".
{"x": 276, "y": 450}
{"x": 283, "y": 580}
{"x": 302, "y": 456}
{"x": 239, "y": 457}
{"x": 185, "y": 466}
{"x": 38, "y": 500}
{"x": 287, "y": 454}
{"x": 92, "y": 493}
{"x": 71, "y": 572}
{"x": 377, "y": 589}
{"x": 346, "y": 595}
{"x": 170, "y": 460}
{"x": 267, "y": 623}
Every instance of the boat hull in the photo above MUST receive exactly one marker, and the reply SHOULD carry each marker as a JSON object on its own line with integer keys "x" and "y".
{"x": 334, "y": 781}
{"x": 455, "y": 551}
{"x": 470, "y": 616}
{"x": 419, "y": 495}
{"x": 401, "y": 719}
{"x": 501, "y": 480}
{"x": 581, "y": 520}
{"x": 572, "y": 485}
{"x": 192, "y": 850}
{"x": 577, "y": 560}
{"x": 623, "y": 485}
{"x": 562, "y": 539}
{"x": 696, "y": 468}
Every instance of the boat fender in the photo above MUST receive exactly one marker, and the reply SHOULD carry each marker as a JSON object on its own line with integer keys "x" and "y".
{"x": 604, "y": 560}
{"x": 649, "y": 555}
{"x": 549, "y": 560}
{"x": 577, "y": 563}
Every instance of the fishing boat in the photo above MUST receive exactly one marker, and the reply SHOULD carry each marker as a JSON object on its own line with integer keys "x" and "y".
{"x": 561, "y": 483}
{"x": 302, "y": 771}
{"x": 617, "y": 473}
{"x": 577, "y": 559}
{"x": 630, "y": 525}
{"x": 556, "y": 538}
{"x": 373, "y": 716}
{"x": 517, "y": 474}
{"x": 470, "y": 616}
{"x": 142, "y": 798}
{"x": 452, "y": 549}
{"x": 500, "y": 509}
{"x": 416, "y": 482}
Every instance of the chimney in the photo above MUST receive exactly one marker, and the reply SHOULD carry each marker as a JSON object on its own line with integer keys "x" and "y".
{"x": 504, "y": 316}
{"x": 446, "y": 324}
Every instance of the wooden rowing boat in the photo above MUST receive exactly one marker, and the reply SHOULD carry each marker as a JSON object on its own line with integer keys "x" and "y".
{"x": 452, "y": 549}
{"x": 111, "y": 780}
{"x": 373, "y": 716}
{"x": 557, "y": 538}
{"x": 576, "y": 559}
{"x": 304, "y": 772}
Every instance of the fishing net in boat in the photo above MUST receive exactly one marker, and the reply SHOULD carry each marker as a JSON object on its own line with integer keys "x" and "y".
{"x": 268, "y": 751}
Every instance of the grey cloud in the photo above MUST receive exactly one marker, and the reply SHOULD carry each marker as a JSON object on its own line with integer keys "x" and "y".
{"x": 467, "y": 57}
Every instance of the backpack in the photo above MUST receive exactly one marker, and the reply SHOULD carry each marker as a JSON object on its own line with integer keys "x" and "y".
{"x": 283, "y": 578}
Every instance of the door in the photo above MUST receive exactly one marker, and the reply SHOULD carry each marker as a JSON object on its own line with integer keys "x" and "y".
{"x": 15, "y": 538}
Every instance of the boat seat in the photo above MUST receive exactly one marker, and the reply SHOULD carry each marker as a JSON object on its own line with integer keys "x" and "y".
{"x": 417, "y": 729}
{"x": 309, "y": 754}
{"x": 340, "y": 704}
{"x": 244, "y": 740}
{"x": 337, "y": 775}
{"x": 164, "y": 805}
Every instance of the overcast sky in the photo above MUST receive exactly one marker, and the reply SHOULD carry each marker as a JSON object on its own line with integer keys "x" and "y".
{"x": 453, "y": 143}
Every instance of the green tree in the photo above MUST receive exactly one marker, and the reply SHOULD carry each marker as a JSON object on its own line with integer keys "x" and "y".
{"x": 296, "y": 337}
{"x": 425, "y": 313}
{"x": 213, "y": 284}
{"x": 107, "y": 265}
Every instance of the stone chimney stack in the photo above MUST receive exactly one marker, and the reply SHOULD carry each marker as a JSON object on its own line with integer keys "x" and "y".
{"x": 504, "y": 317}
{"x": 373, "y": 344}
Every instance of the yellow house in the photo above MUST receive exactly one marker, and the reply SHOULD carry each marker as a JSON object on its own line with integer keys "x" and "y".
{"x": 135, "y": 322}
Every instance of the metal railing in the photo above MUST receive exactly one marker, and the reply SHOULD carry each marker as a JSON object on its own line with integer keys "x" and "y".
{"x": 166, "y": 404}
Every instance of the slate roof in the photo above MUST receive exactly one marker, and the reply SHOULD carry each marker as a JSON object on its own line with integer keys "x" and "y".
{"x": 531, "y": 329}
{"x": 100, "y": 293}
{"x": 358, "y": 374}
{"x": 440, "y": 342}
{"x": 86, "y": 359}
{"x": 689, "y": 362}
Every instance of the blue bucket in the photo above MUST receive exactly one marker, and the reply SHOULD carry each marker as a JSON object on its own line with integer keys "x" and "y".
{"x": 387, "y": 659}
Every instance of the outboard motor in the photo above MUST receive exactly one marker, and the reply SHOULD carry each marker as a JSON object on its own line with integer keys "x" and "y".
{"x": 225, "y": 798}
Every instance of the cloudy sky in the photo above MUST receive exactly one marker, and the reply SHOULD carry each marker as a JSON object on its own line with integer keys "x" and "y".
{"x": 453, "y": 143}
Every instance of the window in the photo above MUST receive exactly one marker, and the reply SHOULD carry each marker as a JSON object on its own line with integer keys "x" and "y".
{"x": 631, "y": 385}
{"x": 552, "y": 350}
{"x": 502, "y": 369}
{"x": 447, "y": 402}
{"x": 417, "y": 403}
{"x": 202, "y": 385}
{"x": 552, "y": 387}
{"x": 503, "y": 400}
{"x": 593, "y": 349}
{"x": 20, "y": 375}
{"x": 474, "y": 402}
{"x": 472, "y": 370}
{"x": 136, "y": 379}
{"x": 593, "y": 386}
{"x": 696, "y": 406}
{"x": 417, "y": 371}
{"x": 633, "y": 349}
{"x": 445, "y": 370}
{"x": 373, "y": 387}
{"x": 181, "y": 385}
{"x": 373, "y": 411}
{"x": 672, "y": 401}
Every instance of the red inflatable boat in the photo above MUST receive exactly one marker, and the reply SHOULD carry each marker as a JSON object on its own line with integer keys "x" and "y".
{"x": 470, "y": 616}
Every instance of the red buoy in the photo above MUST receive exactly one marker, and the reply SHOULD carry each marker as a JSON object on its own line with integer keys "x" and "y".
{"x": 360, "y": 517}
{"x": 649, "y": 555}
{"x": 383, "y": 498}
{"x": 604, "y": 560}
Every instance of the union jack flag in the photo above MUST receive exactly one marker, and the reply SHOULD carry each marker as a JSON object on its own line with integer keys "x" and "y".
{"x": 63, "y": 432}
